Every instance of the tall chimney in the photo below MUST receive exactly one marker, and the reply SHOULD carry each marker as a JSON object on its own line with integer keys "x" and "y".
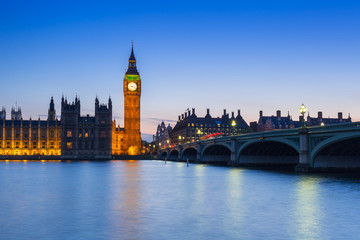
{"x": 193, "y": 111}
{"x": 278, "y": 114}
{"x": 185, "y": 114}
{"x": 320, "y": 115}
{"x": 179, "y": 117}
{"x": 260, "y": 113}
{"x": 232, "y": 115}
{"x": 238, "y": 112}
{"x": 182, "y": 116}
{"x": 339, "y": 115}
{"x": 224, "y": 112}
{"x": 208, "y": 111}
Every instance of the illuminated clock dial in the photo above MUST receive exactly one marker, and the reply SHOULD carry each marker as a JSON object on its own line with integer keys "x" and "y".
{"x": 132, "y": 86}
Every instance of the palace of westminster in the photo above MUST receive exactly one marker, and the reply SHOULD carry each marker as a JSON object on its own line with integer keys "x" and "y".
{"x": 76, "y": 136}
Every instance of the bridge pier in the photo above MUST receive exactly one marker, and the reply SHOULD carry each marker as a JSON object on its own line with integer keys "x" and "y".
{"x": 180, "y": 153}
{"x": 167, "y": 153}
{"x": 198, "y": 154}
{"x": 233, "y": 153}
{"x": 304, "y": 154}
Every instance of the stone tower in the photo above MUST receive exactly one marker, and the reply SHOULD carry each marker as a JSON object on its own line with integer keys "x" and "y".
{"x": 51, "y": 111}
{"x": 132, "y": 92}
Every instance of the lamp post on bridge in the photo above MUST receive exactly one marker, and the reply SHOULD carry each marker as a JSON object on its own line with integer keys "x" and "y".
{"x": 304, "y": 153}
{"x": 302, "y": 112}
{"x": 233, "y": 124}
{"x": 198, "y": 132}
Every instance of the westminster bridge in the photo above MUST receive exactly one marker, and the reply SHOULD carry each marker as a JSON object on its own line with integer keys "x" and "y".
{"x": 331, "y": 146}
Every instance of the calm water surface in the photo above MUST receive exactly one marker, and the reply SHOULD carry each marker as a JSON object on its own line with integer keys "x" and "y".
{"x": 153, "y": 200}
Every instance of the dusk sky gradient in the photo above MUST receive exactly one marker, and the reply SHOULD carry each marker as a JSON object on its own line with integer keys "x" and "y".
{"x": 248, "y": 55}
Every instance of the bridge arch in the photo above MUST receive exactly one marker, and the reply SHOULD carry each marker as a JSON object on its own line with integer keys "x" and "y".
{"x": 216, "y": 153}
{"x": 273, "y": 151}
{"x": 163, "y": 155}
{"x": 174, "y": 154}
{"x": 189, "y": 153}
{"x": 337, "y": 152}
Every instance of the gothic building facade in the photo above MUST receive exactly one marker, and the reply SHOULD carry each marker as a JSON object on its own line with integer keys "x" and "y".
{"x": 32, "y": 138}
{"x": 85, "y": 137}
{"x": 77, "y": 137}
{"x": 162, "y": 135}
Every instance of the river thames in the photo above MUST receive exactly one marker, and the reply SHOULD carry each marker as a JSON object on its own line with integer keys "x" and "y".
{"x": 154, "y": 200}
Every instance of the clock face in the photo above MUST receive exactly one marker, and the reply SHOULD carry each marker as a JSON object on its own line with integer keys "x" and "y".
{"x": 132, "y": 86}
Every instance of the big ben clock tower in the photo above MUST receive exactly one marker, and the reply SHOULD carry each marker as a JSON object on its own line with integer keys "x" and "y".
{"x": 132, "y": 92}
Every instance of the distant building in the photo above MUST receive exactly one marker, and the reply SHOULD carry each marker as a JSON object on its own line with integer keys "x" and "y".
{"x": 29, "y": 137}
{"x": 162, "y": 134}
{"x": 269, "y": 123}
{"x": 85, "y": 137}
{"x": 311, "y": 121}
{"x": 190, "y": 128}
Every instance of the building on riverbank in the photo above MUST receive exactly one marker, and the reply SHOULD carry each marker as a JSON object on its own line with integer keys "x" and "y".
{"x": 30, "y": 137}
{"x": 190, "y": 127}
{"x": 76, "y": 136}
{"x": 162, "y": 136}
{"x": 85, "y": 137}
{"x": 320, "y": 120}
{"x": 270, "y": 123}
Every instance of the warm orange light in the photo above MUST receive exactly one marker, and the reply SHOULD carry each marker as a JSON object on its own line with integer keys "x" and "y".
{"x": 134, "y": 150}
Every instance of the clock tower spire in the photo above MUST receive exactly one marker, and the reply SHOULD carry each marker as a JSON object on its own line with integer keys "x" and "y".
{"x": 132, "y": 93}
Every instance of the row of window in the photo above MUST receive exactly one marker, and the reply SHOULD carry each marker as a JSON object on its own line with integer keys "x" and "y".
{"x": 86, "y": 134}
{"x": 69, "y": 145}
{"x": 26, "y": 145}
{"x": 17, "y": 133}
{"x": 208, "y": 125}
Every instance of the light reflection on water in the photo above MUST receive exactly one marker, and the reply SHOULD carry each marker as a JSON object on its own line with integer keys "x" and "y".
{"x": 153, "y": 200}
{"x": 307, "y": 209}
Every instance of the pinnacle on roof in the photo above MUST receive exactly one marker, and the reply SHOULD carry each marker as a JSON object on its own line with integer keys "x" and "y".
{"x": 132, "y": 55}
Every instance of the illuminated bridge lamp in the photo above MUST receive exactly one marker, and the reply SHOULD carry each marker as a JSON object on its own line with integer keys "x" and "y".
{"x": 233, "y": 124}
{"x": 199, "y": 132}
{"x": 179, "y": 139}
{"x": 302, "y": 112}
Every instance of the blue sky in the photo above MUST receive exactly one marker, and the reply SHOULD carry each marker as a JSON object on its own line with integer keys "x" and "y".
{"x": 248, "y": 55}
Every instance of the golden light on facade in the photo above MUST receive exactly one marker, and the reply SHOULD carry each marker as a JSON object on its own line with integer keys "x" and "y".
{"x": 134, "y": 150}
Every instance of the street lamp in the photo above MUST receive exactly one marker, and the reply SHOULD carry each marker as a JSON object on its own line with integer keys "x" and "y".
{"x": 179, "y": 139}
{"x": 233, "y": 124}
{"x": 302, "y": 112}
